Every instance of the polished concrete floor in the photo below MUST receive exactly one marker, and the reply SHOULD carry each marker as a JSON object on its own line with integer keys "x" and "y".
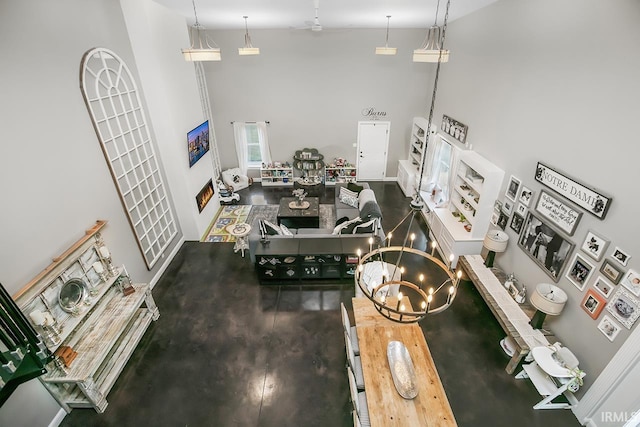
{"x": 229, "y": 352}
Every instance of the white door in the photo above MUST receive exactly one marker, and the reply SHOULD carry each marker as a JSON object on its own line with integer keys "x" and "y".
{"x": 373, "y": 142}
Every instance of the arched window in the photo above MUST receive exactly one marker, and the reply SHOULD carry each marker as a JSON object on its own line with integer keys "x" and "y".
{"x": 119, "y": 119}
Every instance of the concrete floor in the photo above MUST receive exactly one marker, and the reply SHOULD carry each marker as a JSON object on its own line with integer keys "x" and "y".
{"x": 229, "y": 352}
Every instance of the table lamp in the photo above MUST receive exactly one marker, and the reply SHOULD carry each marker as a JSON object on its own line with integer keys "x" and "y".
{"x": 496, "y": 242}
{"x": 547, "y": 299}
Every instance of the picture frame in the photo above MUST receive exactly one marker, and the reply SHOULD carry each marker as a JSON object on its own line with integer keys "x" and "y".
{"x": 579, "y": 271}
{"x": 631, "y": 281}
{"x": 610, "y": 271}
{"x": 593, "y": 304}
{"x": 609, "y": 328}
{"x": 545, "y": 246}
{"x": 198, "y": 142}
{"x": 594, "y": 245}
{"x": 507, "y": 207}
{"x": 494, "y": 218}
{"x": 511, "y": 192}
{"x": 525, "y": 195}
{"x": 521, "y": 210}
{"x": 602, "y": 286}
{"x": 621, "y": 256}
{"x": 561, "y": 214}
{"x": 591, "y": 200}
{"x": 454, "y": 128}
{"x": 624, "y": 307}
{"x": 516, "y": 222}
{"x": 503, "y": 219}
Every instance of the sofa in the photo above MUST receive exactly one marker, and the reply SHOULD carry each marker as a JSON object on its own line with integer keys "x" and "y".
{"x": 363, "y": 220}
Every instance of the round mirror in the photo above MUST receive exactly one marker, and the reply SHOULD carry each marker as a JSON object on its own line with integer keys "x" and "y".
{"x": 71, "y": 294}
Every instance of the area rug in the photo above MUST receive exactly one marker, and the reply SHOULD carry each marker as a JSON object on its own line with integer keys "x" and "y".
{"x": 226, "y": 215}
{"x": 252, "y": 214}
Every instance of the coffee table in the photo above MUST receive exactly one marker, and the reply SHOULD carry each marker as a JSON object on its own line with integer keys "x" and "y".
{"x": 299, "y": 218}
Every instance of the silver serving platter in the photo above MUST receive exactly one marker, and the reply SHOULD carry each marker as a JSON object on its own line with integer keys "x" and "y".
{"x": 402, "y": 372}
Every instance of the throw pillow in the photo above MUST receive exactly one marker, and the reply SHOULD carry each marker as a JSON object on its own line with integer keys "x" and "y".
{"x": 340, "y": 228}
{"x": 365, "y": 196}
{"x": 355, "y": 187}
{"x": 341, "y": 220}
{"x": 348, "y": 197}
{"x": 366, "y": 227}
{"x": 272, "y": 229}
{"x": 285, "y": 230}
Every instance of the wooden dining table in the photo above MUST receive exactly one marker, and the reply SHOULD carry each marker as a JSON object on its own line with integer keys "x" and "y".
{"x": 386, "y": 407}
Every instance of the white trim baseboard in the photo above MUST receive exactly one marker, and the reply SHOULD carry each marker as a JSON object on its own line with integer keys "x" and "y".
{"x": 55, "y": 422}
{"x": 173, "y": 253}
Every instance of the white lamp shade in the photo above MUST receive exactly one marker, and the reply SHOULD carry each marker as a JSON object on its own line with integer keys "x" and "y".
{"x": 212, "y": 54}
{"x": 496, "y": 241}
{"x": 248, "y": 51}
{"x": 386, "y": 50}
{"x": 424, "y": 55}
{"x": 549, "y": 299}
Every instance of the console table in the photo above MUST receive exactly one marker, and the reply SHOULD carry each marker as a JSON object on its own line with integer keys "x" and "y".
{"x": 386, "y": 407}
{"x": 511, "y": 316}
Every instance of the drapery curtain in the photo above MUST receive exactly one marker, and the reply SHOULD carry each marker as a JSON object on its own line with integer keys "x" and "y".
{"x": 265, "y": 150}
{"x": 240, "y": 136}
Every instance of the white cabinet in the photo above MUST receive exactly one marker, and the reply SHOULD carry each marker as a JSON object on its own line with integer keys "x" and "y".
{"x": 407, "y": 177}
{"x": 460, "y": 226}
{"x": 281, "y": 176}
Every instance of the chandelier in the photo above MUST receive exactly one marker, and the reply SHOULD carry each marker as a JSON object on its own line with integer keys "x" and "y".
{"x": 432, "y": 49}
{"x": 404, "y": 283}
{"x": 200, "y": 49}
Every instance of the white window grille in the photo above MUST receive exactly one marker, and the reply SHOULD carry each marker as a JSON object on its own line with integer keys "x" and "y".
{"x": 114, "y": 104}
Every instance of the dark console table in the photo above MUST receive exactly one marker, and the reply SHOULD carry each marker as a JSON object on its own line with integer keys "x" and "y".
{"x": 299, "y": 218}
{"x": 294, "y": 260}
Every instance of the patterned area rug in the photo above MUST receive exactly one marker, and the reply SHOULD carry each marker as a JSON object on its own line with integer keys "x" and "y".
{"x": 226, "y": 215}
{"x": 252, "y": 214}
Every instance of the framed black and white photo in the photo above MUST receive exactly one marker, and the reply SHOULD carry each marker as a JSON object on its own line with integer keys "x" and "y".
{"x": 547, "y": 247}
{"x": 507, "y": 206}
{"x": 621, "y": 256}
{"x": 593, "y": 304}
{"x": 579, "y": 271}
{"x": 521, "y": 210}
{"x": 610, "y": 271}
{"x": 561, "y": 214}
{"x": 516, "y": 223}
{"x": 609, "y": 328}
{"x": 603, "y": 286}
{"x": 495, "y": 216}
{"x": 512, "y": 189}
{"x": 624, "y": 307}
{"x": 594, "y": 245}
{"x": 503, "y": 219}
{"x": 631, "y": 281}
{"x": 525, "y": 195}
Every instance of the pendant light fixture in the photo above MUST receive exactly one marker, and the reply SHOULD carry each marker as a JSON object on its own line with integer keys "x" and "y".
{"x": 386, "y": 50}
{"x": 432, "y": 47}
{"x": 248, "y": 48}
{"x": 200, "y": 49}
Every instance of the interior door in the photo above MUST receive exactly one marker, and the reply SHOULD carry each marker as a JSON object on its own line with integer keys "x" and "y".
{"x": 373, "y": 143}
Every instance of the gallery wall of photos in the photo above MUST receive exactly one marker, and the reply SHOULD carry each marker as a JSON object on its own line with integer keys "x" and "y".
{"x": 546, "y": 227}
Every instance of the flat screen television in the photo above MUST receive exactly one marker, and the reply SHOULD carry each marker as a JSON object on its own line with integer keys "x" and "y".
{"x": 198, "y": 140}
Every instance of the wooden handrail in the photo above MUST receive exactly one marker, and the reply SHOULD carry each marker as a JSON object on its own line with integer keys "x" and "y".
{"x": 88, "y": 235}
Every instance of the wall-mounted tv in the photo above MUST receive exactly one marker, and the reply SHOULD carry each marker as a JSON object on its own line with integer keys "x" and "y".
{"x": 198, "y": 140}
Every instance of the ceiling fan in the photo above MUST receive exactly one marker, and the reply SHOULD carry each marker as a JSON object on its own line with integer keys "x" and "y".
{"x": 315, "y": 24}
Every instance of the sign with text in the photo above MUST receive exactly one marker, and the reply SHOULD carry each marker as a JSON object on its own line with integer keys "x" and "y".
{"x": 560, "y": 214}
{"x": 592, "y": 201}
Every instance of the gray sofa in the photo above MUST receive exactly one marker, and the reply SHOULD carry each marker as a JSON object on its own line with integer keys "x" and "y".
{"x": 367, "y": 206}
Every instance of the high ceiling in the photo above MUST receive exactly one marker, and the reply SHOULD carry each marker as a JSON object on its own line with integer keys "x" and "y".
{"x": 293, "y": 14}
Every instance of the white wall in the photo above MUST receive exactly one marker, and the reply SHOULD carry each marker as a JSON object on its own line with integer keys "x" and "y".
{"x": 157, "y": 35}
{"x": 54, "y": 181}
{"x": 555, "y": 82}
{"x": 312, "y": 87}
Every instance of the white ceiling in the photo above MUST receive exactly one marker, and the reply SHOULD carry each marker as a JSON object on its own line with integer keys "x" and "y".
{"x": 287, "y": 14}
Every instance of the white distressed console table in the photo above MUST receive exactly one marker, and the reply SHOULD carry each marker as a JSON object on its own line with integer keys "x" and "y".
{"x": 510, "y": 315}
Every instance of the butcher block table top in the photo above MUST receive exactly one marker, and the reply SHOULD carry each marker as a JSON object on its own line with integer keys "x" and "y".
{"x": 386, "y": 407}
